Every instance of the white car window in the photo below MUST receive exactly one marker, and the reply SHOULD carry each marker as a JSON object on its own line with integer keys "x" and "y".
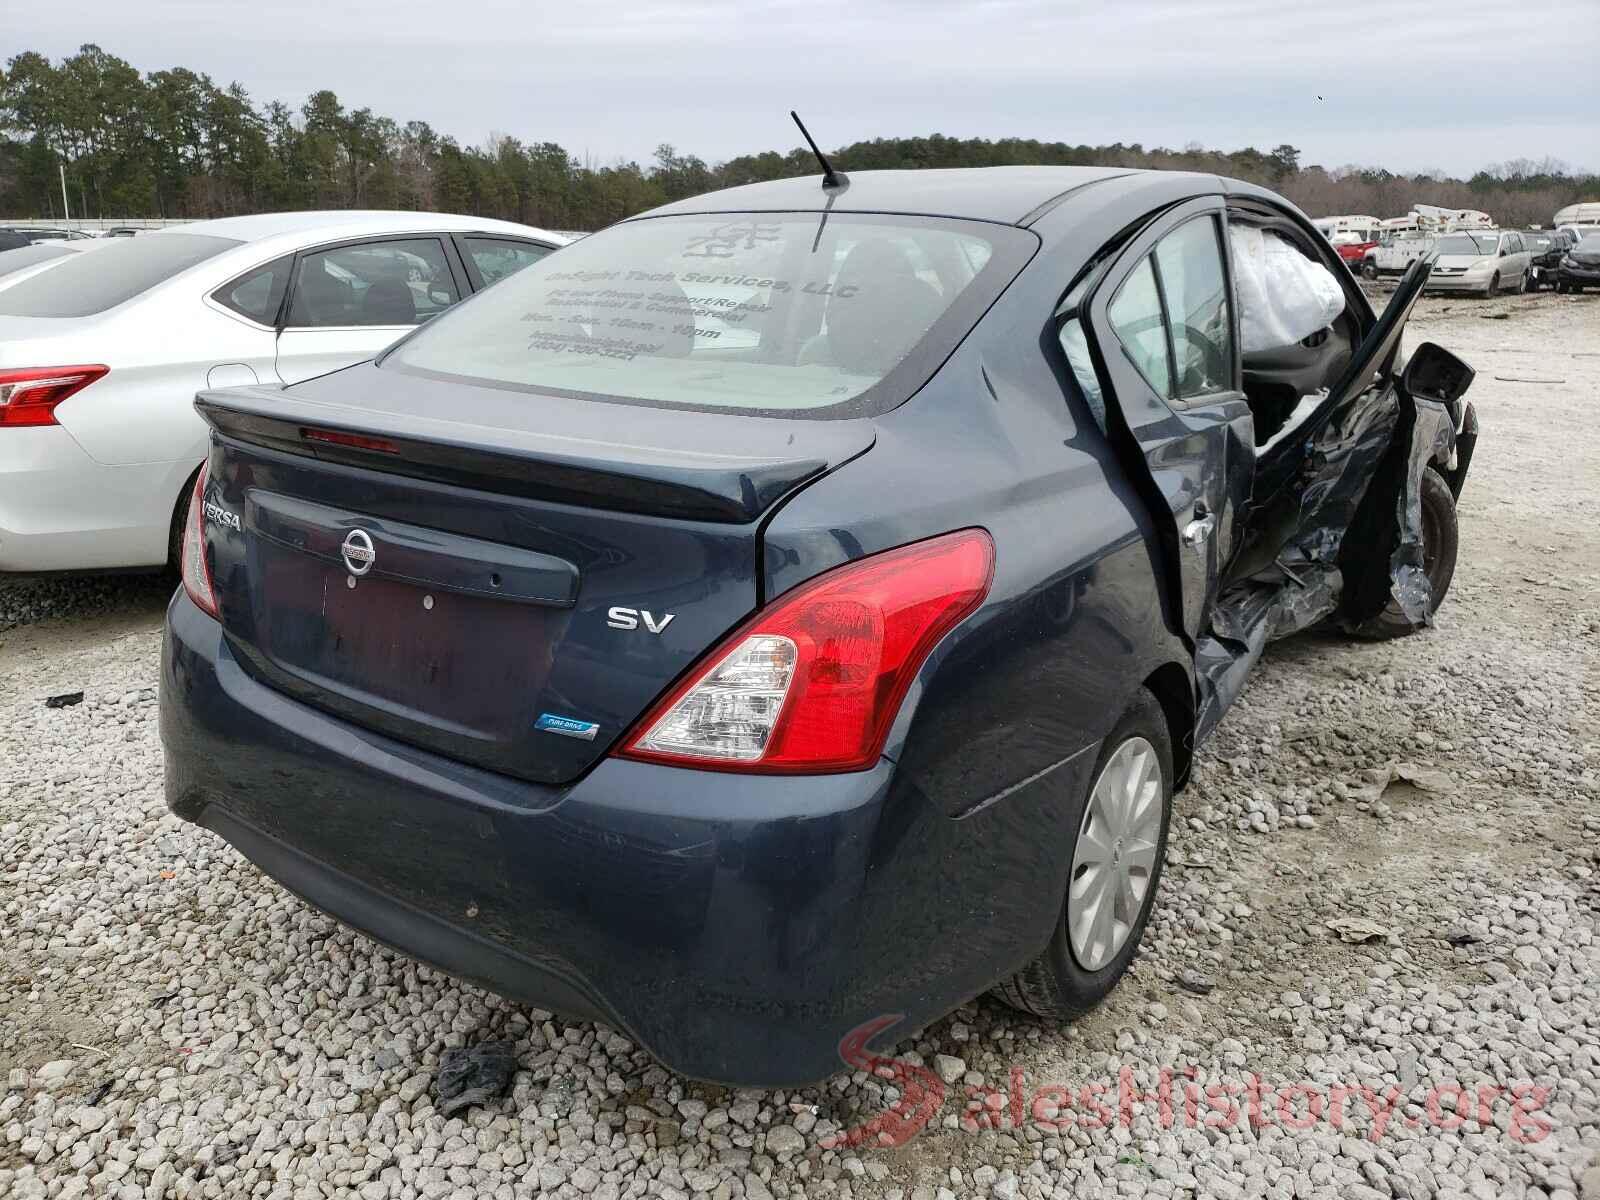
{"x": 401, "y": 282}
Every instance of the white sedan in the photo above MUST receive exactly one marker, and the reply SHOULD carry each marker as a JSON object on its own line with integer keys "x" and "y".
{"x": 101, "y": 355}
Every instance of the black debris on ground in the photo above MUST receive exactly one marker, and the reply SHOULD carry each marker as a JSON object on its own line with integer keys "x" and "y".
{"x": 473, "y": 1075}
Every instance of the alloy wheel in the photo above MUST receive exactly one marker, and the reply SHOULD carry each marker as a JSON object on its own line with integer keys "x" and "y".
{"x": 1114, "y": 861}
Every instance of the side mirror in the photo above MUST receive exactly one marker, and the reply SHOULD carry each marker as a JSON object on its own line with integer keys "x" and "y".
{"x": 1435, "y": 374}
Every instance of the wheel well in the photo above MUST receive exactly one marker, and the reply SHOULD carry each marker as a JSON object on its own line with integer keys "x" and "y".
{"x": 1171, "y": 686}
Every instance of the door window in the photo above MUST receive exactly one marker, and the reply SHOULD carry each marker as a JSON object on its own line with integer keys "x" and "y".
{"x": 495, "y": 259}
{"x": 259, "y": 294}
{"x": 375, "y": 283}
{"x": 1141, "y": 327}
{"x": 1196, "y": 291}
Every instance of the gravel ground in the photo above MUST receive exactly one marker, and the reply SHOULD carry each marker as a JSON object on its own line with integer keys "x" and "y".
{"x": 174, "y": 1024}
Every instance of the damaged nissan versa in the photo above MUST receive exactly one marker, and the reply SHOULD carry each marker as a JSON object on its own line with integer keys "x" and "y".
{"x": 792, "y": 610}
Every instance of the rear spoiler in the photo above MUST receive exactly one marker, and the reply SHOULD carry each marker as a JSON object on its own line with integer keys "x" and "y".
{"x": 676, "y": 482}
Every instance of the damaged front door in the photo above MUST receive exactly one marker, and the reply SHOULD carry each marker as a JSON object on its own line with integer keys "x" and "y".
{"x": 1165, "y": 327}
{"x": 1307, "y": 490}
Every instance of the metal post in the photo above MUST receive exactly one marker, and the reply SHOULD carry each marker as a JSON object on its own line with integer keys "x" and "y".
{"x": 66, "y": 213}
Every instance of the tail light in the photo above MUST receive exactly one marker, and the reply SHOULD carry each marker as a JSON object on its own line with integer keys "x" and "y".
{"x": 813, "y": 682}
{"x": 196, "y": 572}
{"x": 28, "y": 396}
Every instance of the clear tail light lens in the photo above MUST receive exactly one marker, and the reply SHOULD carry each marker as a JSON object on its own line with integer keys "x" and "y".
{"x": 29, "y": 395}
{"x": 812, "y": 683}
{"x": 196, "y": 573}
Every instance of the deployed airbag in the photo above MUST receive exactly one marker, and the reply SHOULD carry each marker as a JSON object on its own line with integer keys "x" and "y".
{"x": 1283, "y": 295}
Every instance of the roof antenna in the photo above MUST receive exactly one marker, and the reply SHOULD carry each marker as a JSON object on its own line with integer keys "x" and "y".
{"x": 830, "y": 177}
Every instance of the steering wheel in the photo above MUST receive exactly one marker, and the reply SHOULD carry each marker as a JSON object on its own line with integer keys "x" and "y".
{"x": 1214, "y": 365}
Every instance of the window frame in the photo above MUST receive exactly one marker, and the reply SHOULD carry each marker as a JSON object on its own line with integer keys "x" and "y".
{"x": 233, "y": 281}
{"x": 1219, "y": 234}
{"x": 475, "y": 276}
{"x": 1116, "y": 268}
{"x": 447, "y": 249}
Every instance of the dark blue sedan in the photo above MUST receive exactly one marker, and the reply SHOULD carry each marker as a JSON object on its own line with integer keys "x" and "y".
{"x": 792, "y": 610}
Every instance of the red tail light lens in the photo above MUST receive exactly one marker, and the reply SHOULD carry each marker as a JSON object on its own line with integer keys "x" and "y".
{"x": 812, "y": 683}
{"x": 28, "y": 396}
{"x": 196, "y": 572}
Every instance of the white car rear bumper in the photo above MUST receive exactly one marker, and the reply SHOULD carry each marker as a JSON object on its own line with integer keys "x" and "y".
{"x": 62, "y": 511}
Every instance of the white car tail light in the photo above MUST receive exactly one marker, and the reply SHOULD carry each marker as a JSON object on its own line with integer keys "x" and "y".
{"x": 813, "y": 682}
{"x": 29, "y": 395}
{"x": 196, "y": 572}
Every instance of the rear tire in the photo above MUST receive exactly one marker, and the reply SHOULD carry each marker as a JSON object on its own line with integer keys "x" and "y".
{"x": 1522, "y": 284}
{"x": 1057, "y": 985}
{"x": 1441, "y": 542}
{"x": 1562, "y": 287}
{"x": 1369, "y": 270}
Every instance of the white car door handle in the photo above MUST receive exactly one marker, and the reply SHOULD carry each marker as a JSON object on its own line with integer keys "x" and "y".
{"x": 1196, "y": 532}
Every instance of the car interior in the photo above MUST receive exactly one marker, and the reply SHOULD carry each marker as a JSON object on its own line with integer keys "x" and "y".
{"x": 1285, "y": 383}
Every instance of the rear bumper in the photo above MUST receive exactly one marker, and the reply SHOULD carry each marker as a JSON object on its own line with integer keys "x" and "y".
{"x": 737, "y": 927}
{"x": 60, "y": 510}
{"x": 1473, "y": 285}
{"x": 1584, "y": 275}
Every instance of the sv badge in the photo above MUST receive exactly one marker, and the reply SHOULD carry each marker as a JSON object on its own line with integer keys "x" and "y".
{"x": 629, "y": 618}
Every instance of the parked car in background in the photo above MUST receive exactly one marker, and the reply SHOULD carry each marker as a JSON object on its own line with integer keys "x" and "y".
{"x": 1580, "y": 266}
{"x": 751, "y": 694}
{"x": 1354, "y": 248}
{"x": 101, "y": 355}
{"x": 1395, "y": 253}
{"x": 1485, "y": 263}
{"x": 38, "y": 233}
{"x": 1545, "y": 248}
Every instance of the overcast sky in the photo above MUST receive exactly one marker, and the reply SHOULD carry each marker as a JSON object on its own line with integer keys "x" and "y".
{"x": 1403, "y": 84}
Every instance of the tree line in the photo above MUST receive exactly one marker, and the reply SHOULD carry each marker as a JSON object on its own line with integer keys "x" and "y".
{"x": 174, "y": 143}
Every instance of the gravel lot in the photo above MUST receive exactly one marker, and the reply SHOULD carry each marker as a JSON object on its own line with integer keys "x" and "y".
{"x": 174, "y": 1024}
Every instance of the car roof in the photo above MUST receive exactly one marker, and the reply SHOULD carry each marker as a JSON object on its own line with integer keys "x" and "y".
{"x": 351, "y": 223}
{"x": 1008, "y": 195}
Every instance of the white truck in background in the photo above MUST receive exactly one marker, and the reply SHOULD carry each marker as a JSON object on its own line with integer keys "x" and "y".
{"x": 1403, "y": 240}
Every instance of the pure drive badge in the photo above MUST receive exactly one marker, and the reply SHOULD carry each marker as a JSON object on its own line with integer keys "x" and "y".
{"x": 566, "y": 726}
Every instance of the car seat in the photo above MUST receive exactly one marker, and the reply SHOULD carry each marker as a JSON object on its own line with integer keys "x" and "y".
{"x": 879, "y": 308}
{"x": 320, "y": 299}
{"x": 389, "y": 302}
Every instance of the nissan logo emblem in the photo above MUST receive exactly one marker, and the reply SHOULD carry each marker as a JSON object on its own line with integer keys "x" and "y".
{"x": 357, "y": 551}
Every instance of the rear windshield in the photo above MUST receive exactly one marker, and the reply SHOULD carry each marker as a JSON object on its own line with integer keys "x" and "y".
{"x": 110, "y": 275}
{"x": 792, "y": 314}
{"x": 12, "y": 261}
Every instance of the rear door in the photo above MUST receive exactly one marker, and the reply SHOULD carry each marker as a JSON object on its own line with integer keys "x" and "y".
{"x": 347, "y": 302}
{"x": 1165, "y": 325}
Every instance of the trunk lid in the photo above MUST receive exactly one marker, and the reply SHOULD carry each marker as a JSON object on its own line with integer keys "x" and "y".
{"x": 504, "y": 578}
